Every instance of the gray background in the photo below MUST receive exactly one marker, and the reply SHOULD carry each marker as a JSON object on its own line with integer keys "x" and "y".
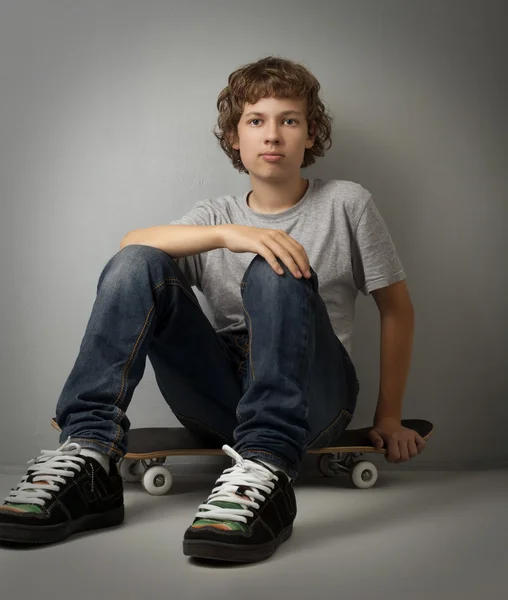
{"x": 106, "y": 117}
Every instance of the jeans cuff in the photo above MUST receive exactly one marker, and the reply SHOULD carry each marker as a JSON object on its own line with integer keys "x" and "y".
{"x": 110, "y": 451}
{"x": 272, "y": 459}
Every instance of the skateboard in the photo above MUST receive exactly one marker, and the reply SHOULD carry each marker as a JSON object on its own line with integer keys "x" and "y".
{"x": 148, "y": 448}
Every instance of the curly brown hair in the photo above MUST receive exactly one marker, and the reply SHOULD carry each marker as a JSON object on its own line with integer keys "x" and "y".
{"x": 271, "y": 77}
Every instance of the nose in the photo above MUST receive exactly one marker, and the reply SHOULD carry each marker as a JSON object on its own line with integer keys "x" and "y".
{"x": 272, "y": 133}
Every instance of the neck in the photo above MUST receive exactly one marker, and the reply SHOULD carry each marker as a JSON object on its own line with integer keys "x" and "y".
{"x": 270, "y": 198}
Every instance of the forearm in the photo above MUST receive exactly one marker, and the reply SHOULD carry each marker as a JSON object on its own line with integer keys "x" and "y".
{"x": 178, "y": 240}
{"x": 397, "y": 333}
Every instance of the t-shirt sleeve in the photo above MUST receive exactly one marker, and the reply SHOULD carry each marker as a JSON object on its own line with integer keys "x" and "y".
{"x": 202, "y": 213}
{"x": 376, "y": 263}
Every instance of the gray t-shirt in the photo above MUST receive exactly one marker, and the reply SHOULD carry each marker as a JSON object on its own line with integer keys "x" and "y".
{"x": 344, "y": 236}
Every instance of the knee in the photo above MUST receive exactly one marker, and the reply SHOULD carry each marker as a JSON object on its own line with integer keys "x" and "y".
{"x": 132, "y": 260}
{"x": 260, "y": 272}
{"x": 135, "y": 256}
{"x": 140, "y": 253}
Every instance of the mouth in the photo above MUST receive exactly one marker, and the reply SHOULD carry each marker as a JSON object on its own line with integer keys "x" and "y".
{"x": 272, "y": 157}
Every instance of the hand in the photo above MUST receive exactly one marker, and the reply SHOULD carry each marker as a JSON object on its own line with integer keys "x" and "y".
{"x": 402, "y": 443}
{"x": 269, "y": 243}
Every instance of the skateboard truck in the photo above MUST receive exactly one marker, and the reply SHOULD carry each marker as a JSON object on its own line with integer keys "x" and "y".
{"x": 362, "y": 474}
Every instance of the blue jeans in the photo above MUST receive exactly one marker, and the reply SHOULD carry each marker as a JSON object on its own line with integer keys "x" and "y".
{"x": 284, "y": 384}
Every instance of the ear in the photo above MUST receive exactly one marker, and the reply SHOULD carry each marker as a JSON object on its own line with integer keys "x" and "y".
{"x": 233, "y": 139}
{"x": 311, "y": 138}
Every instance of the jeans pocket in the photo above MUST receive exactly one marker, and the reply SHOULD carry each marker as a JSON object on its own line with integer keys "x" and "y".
{"x": 329, "y": 435}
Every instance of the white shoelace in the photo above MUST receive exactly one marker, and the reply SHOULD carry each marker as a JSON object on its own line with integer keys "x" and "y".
{"x": 244, "y": 473}
{"x": 51, "y": 467}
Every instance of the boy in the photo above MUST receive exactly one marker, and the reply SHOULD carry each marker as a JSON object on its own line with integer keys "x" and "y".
{"x": 274, "y": 377}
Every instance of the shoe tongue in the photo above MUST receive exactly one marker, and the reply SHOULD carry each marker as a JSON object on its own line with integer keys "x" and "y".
{"x": 34, "y": 508}
{"x": 224, "y": 504}
{"x": 30, "y": 479}
{"x": 241, "y": 489}
{"x": 270, "y": 468}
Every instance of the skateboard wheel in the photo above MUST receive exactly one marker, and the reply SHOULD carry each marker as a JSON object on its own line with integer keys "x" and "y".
{"x": 130, "y": 470}
{"x": 157, "y": 480}
{"x": 325, "y": 463}
{"x": 363, "y": 474}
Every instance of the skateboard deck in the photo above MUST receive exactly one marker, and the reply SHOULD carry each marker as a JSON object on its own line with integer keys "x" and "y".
{"x": 148, "y": 447}
{"x": 161, "y": 442}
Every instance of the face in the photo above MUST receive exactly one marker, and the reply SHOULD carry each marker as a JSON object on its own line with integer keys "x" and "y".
{"x": 274, "y": 129}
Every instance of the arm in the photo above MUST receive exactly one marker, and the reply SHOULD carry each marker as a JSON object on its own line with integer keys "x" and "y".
{"x": 397, "y": 332}
{"x": 177, "y": 240}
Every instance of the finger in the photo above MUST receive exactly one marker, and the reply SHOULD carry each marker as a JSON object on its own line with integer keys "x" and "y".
{"x": 296, "y": 250}
{"x": 403, "y": 451}
{"x": 281, "y": 252}
{"x": 413, "y": 450}
{"x": 302, "y": 260}
{"x": 376, "y": 439}
{"x": 297, "y": 253}
{"x": 271, "y": 259}
{"x": 420, "y": 443}
{"x": 393, "y": 451}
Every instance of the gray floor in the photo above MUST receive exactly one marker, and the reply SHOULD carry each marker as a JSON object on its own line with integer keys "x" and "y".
{"x": 416, "y": 535}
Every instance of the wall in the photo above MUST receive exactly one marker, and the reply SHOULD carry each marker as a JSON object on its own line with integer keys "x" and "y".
{"x": 106, "y": 117}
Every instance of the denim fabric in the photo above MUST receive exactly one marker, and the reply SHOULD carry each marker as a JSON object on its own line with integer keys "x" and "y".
{"x": 283, "y": 384}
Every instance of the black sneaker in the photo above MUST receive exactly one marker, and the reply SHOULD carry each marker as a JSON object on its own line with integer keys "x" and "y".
{"x": 249, "y": 513}
{"x": 62, "y": 493}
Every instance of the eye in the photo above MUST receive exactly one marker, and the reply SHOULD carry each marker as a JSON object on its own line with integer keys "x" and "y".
{"x": 288, "y": 119}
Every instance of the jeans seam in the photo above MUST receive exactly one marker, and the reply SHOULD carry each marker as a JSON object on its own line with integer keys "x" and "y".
{"x": 118, "y": 434}
{"x": 250, "y": 338}
{"x": 156, "y": 289}
{"x": 131, "y": 357}
{"x": 118, "y": 428}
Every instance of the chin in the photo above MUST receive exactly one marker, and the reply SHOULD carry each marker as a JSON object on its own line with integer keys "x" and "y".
{"x": 271, "y": 176}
